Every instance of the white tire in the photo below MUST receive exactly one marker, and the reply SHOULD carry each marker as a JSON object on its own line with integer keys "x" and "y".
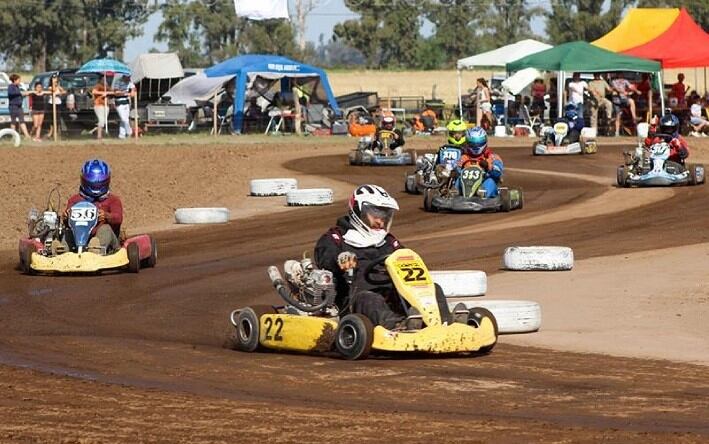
{"x": 309, "y": 196}
{"x": 201, "y": 215}
{"x": 538, "y": 258}
{"x": 512, "y": 316}
{"x": 272, "y": 187}
{"x": 16, "y": 139}
{"x": 457, "y": 283}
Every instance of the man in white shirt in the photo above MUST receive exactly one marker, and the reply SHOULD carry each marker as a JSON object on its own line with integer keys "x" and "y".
{"x": 699, "y": 123}
{"x": 576, "y": 89}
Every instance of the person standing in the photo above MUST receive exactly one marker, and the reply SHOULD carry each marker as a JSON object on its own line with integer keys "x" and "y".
{"x": 38, "y": 106}
{"x": 679, "y": 91}
{"x": 100, "y": 93}
{"x": 623, "y": 100}
{"x": 124, "y": 92}
{"x": 484, "y": 104}
{"x": 14, "y": 96}
{"x": 599, "y": 88}
{"x": 576, "y": 90}
{"x": 54, "y": 93}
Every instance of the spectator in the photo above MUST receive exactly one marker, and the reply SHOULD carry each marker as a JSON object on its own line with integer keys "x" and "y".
{"x": 644, "y": 87}
{"x": 576, "y": 90}
{"x": 124, "y": 92}
{"x": 699, "y": 124}
{"x": 101, "y": 92}
{"x": 538, "y": 92}
{"x": 599, "y": 88}
{"x": 14, "y": 96}
{"x": 55, "y": 91}
{"x": 38, "y": 105}
{"x": 623, "y": 89}
{"x": 679, "y": 90}
{"x": 484, "y": 106}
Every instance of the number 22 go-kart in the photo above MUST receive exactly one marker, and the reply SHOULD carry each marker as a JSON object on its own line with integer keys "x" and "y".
{"x": 310, "y": 321}
{"x": 42, "y": 250}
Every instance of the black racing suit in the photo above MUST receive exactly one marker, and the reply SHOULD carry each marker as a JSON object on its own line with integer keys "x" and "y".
{"x": 365, "y": 298}
{"x": 395, "y": 143}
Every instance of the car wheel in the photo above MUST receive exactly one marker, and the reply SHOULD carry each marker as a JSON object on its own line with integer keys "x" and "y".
{"x": 354, "y": 336}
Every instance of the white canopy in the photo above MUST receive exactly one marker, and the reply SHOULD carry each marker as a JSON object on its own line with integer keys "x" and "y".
{"x": 156, "y": 66}
{"x": 517, "y": 82}
{"x": 196, "y": 87}
{"x": 504, "y": 55}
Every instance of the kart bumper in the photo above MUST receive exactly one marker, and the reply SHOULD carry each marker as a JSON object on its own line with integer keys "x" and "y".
{"x": 466, "y": 205}
{"x": 79, "y": 263}
{"x": 362, "y": 158}
{"x": 541, "y": 149}
{"x": 658, "y": 180}
{"x": 453, "y": 338}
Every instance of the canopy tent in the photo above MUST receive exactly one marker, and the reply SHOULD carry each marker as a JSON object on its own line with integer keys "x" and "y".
{"x": 247, "y": 68}
{"x": 520, "y": 80}
{"x": 154, "y": 74}
{"x": 196, "y": 88}
{"x": 668, "y": 35}
{"x": 582, "y": 56}
{"x": 497, "y": 57}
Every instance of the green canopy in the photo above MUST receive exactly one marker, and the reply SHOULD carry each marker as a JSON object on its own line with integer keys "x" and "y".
{"x": 584, "y": 57}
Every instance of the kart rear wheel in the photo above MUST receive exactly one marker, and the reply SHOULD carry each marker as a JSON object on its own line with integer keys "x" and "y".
{"x": 133, "y": 258}
{"x": 245, "y": 336}
{"x": 152, "y": 260}
{"x": 506, "y": 200}
{"x": 412, "y": 154}
{"x": 354, "y": 336}
{"x": 26, "y": 260}
{"x": 696, "y": 174}
{"x": 475, "y": 317}
{"x": 410, "y": 183}
{"x": 427, "y": 201}
{"x": 621, "y": 177}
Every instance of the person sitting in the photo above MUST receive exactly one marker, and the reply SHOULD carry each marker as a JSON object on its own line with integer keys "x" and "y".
{"x": 644, "y": 87}
{"x": 699, "y": 124}
{"x": 388, "y": 136}
{"x": 623, "y": 88}
{"x": 476, "y": 151}
{"x": 539, "y": 90}
{"x": 666, "y": 129}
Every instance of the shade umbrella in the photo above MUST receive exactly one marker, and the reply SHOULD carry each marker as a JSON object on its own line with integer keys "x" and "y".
{"x": 105, "y": 66}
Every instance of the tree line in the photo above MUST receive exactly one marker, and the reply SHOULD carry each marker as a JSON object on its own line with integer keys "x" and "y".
{"x": 49, "y": 34}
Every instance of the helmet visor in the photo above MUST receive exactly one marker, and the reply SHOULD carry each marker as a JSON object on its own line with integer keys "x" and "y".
{"x": 377, "y": 218}
{"x": 457, "y": 135}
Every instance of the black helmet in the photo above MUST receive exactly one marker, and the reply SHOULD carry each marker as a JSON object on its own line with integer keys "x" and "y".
{"x": 669, "y": 124}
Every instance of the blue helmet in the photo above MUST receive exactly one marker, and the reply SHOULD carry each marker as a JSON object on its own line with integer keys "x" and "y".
{"x": 570, "y": 112}
{"x": 669, "y": 124}
{"x": 475, "y": 141}
{"x": 95, "y": 178}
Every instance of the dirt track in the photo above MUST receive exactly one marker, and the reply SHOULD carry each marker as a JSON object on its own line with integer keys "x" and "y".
{"x": 138, "y": 358}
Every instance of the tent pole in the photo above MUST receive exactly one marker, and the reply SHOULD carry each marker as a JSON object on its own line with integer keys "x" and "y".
{"x": 460, "y": 97}
{"x": 559, "y": 93}
{"x": 662, "y": 93}
{"x": 214, "y": 115}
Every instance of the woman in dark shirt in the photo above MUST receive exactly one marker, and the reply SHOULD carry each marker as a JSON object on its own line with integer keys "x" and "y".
{"x": 14, "y": 95}
{"x": 38, "y": 105}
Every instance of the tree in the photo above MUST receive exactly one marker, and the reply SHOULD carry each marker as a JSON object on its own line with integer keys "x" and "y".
{"x": 509, "y": 21}
{"x": 698, "y": 9}
{"x": 571, "y": 20}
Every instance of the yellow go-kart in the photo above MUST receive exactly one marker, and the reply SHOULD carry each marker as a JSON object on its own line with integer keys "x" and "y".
{"x": 310, "y": 322}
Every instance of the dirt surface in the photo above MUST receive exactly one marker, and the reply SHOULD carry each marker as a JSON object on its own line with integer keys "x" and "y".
{"x": 125, "y": 358}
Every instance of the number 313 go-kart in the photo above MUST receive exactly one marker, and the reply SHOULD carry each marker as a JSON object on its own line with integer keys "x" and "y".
{"x": 310, "y": 321}
{"x": 43, "y": 250}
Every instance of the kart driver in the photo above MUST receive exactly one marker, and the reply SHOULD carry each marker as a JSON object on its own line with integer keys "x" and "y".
{"x": 95, "y": 188}
{"x": 669, "y": 129}
{"x": 456, "y": 138}
{"x": 352, "y": 244}
{"x": 389, "y": 124}
{"x": 476, "y": 151}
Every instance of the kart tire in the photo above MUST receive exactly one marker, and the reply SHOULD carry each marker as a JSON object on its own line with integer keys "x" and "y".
{"x": 202, "y": 215}
{"x": 427, "y": 201}
{"x": 309, "y": 197}
{"x": 355, "y": 157}
{"x": 272, "y": 187}
{"x": 538, "y": 258}
{"x": 506, "y": 200}
{"x": 475, "y": 317}
{"x": 16, "y": 139}
{"x": 512, "y": 316}
{"x": 152, "y": 260}
{"x": 620, "y": 176}
{"x": 133, "y": 258}
{"x": 412, "y": 155}
{"x": 26, "y": 260}
{"x": 410, "y": 183}
{"x": 696, "y": 174}
{"x": 354, "y": 336}
{"x": 461, "y": 283}
{"x": 245, "y": 335}
{"x": 589, "y": 148}
{"x": 534, "y": 150}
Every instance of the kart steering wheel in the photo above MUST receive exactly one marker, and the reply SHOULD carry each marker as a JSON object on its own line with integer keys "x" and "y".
{"x": 370, "y": 268}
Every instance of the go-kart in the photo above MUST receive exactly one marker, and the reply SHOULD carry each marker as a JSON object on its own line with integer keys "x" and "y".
{"x": 45, "y": 249}
{"x": 558, "y": 140}
{"x": 369, "y": 154}
{"x": 429, "y": 168}
{"x": 648, "y": 167}
{"x": 310, "y": 320}
{"x": 464, "y": 194}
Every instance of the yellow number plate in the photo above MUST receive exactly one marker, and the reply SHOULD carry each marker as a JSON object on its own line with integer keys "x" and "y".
{"x": 412, "y": 272}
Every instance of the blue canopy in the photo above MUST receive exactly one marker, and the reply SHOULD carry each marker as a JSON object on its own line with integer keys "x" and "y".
{"x": 270, "y": 67}
{"x": 104, "y": 65}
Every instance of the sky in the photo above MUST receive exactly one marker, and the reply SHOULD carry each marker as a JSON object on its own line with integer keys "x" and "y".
{"x": 321, "y": 20}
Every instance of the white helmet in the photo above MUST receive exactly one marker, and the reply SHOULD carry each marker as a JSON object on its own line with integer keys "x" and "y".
{"x": 368, "y": 204}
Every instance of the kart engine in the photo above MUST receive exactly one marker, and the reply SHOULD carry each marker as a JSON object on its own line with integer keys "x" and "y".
{"x": 309, "y": 289}
{"x": 44, "y": 228}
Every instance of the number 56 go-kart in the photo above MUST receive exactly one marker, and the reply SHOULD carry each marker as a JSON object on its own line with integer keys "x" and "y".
{"x": 369, "y": 154}
{"x": 46, "y": 249}
{"x": 310, "y": 321}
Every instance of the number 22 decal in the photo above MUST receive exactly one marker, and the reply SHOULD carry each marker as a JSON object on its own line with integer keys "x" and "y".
{"x": 413, "y": 274}
{"x": 270, "y": 323}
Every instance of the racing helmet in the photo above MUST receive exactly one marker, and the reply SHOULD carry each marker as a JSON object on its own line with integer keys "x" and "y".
{"x": 95, "y": 179}
{"x": 371, "y": 212}
{"x": 570, "y": 111}
{"x": 456, "y": 132}
{"x": 475, "y": 142}
{"x": 669, "y": 124}
{"x": 388, "y": 123}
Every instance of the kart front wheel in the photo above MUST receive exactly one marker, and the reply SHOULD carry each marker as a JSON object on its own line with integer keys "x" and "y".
{"x": 152, "y": 260}
{"x": 621, "y": 176}
{"x": 133, "y": 258}
{"x": 354, "y": 336}
{"x": 475, "y": 317}
{"x": 428, "y": 200}
{"x": 26, "y": 260}
{"x": 247, "y": 331}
